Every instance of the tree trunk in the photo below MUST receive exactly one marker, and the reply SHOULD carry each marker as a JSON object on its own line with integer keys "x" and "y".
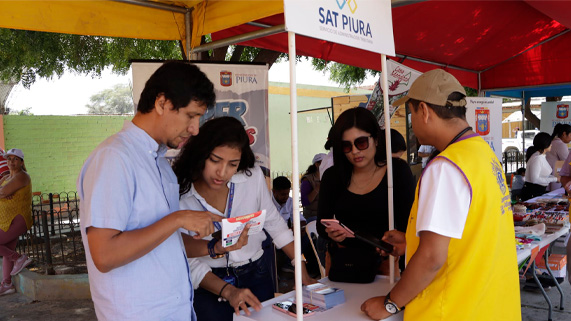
{"x": 267, "y": 56}
{"x": 531, "y": 116}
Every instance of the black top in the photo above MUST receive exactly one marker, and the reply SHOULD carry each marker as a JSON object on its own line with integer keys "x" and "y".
{"x": 367, "y": 212}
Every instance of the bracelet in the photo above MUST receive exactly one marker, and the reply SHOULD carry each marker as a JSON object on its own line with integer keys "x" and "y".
{"x": 220, "y": 297}
{"x": 211, "y": 252}
{"x": 302, "y": 260}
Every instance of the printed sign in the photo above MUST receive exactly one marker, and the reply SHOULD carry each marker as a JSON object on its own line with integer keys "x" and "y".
{"x": 400, "y": 78}
{"x": 485, "y": 116}
{"x": 552, "y": 113}
{"x": 241, "y": 92}
{"x": 363, "y": 24}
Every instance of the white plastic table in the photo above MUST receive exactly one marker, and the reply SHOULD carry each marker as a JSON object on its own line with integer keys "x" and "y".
{"x": 523, "y": 254}
{"x": 355, "y": 295}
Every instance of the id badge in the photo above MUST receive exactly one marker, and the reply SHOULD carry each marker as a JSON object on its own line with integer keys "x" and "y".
{"x": 229, "y": 279}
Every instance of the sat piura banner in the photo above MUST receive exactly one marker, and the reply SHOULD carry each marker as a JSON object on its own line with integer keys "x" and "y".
{"x": 241, "y": 92}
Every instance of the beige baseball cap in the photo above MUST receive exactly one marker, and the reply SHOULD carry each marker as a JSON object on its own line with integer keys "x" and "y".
{"x": 434, "y": 87}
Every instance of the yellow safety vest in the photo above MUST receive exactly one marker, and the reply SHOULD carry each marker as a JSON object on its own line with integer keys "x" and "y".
{"x": 479, "y": 280}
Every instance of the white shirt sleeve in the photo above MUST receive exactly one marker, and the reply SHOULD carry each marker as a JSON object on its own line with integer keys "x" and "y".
{"x": 198, "y": 270}
{"x": 444, "y": 200}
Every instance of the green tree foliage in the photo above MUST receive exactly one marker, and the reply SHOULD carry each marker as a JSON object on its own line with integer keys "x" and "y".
{"x": 28, "y": 55}
{"x": 115, "y": 100}
{"x": 23, "y": 112}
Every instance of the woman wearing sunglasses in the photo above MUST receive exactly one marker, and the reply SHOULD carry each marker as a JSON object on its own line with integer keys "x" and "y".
{"x": 354, "y": 191}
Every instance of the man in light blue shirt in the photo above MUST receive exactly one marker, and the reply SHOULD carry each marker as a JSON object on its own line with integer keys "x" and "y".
{"x": 129, "y": 210}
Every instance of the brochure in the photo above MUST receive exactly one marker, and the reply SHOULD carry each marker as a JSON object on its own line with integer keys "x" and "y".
{"x": 323, "y": 295}
{"x": 232, "y": 227}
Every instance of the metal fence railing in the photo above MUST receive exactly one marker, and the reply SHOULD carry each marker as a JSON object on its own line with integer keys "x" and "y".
{"x": 54, "y": 241}
{"x": 512, "y": 160}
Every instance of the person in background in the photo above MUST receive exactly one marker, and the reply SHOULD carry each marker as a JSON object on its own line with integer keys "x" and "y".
{"x": 15, "y": 217}
{"x": 129, "y": 210}
{"x": 425, "y": 151}
{"x": 517, "y": 184}
{"x": 309, "y": 188}
{"x": 217, "y": 173}
{"x": 355, "y": 189}
{"x": 460, "y": 216}
{"x": 559, "y": 150}
{"x": 4, "y": 170}
{"x": 281, "y": 187}
{"x": 327, "y": 161}
{"x": 398, "y": 144}
{"x": 538, "y": 172}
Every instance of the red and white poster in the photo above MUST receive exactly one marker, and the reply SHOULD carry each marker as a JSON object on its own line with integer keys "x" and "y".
{"x": 241, "y": 92}
{"x": 552, "y": 113}
{"x": 400, "y": 78}
{"x": 484, "y": 115}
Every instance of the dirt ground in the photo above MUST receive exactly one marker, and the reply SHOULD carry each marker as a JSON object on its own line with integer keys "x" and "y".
{"x": 18, "y": 307}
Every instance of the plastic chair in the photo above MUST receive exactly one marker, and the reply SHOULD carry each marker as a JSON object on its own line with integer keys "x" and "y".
{"x": 311, "y": 230}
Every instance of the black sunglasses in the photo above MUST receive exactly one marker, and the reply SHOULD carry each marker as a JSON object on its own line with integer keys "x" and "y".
{"x": 361, "y": 143}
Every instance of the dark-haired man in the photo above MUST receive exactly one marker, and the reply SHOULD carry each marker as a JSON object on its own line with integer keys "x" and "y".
{"x": 461, "y": 262}
{"x": 130, "y": 217}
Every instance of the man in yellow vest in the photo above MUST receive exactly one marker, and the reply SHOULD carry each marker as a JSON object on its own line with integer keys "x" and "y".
{"x": 460, "y": 253}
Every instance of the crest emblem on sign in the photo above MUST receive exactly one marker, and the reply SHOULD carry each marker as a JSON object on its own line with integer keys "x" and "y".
{"x": 562, "y": 111}
{"x": 482, "y": 121}
{"x": 226, "y": 78}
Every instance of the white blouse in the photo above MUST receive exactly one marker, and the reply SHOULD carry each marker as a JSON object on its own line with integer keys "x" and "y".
{"x": 538, "y": 170}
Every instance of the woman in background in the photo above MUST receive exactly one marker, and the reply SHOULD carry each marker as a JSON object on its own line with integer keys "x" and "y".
{"x": 309, "y": 188}
{"x": 559, "y": 150}
{"x": 538, "y": 172}
{"x": 15, "y": 217}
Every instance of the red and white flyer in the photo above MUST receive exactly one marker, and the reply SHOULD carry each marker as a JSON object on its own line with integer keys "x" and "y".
{"x": 232, "y": 227}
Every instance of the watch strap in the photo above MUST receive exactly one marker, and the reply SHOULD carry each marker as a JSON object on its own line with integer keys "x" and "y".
{"x": 211, "y": 252}
{"x": 388, "y": 301}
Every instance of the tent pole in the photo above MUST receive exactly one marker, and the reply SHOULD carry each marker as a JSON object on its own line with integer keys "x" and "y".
{"x": 188, "y": 30}
{"x": 385, "y": 86}
{"x": 295, "y": 172}
{"x": 523, "y": 122}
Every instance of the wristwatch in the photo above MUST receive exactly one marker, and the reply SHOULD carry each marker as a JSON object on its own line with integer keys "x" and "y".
{"x": 211, "y": 251}
{"x": 391, "y": 306}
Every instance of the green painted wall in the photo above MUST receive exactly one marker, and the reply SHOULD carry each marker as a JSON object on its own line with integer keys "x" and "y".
{"x": 55, "y": 147}
{"x": 313, "y": 126}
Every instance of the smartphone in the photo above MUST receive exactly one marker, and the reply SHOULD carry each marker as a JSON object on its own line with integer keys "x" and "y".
{"x": 290, "y": 308}
{"x": 338, "y": 226}
{"x": 369, "y": 239}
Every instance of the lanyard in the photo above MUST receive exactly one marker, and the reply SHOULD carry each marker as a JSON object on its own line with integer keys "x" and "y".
{"x": 230, "y": 201}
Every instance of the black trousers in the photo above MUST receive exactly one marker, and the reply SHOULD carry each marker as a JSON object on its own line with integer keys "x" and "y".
{"x": 531, "y": 190}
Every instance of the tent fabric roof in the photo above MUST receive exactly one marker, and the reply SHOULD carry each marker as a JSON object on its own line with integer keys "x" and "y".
{"x": 542, "y": 91}
{"x": 485, "y": 44}
{"x": 475, "y": 36}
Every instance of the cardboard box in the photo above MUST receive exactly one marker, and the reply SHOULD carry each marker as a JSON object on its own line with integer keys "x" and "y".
{"x": 557, "y": 264}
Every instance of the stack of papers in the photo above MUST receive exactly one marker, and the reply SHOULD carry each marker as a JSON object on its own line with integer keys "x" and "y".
{"x": 323, "y": 295}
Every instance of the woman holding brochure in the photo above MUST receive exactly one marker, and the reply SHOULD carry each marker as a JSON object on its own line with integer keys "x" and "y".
{"x": 217, "y": 173}
{"x": 354, "y": 191}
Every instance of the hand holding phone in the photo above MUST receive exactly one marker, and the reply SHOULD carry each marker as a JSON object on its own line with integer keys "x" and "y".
{"x": 337, "y": 226}
{"x": 369, "y": 239}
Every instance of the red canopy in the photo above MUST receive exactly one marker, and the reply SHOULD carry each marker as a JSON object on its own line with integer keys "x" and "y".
{"x": 509, "y": 43}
